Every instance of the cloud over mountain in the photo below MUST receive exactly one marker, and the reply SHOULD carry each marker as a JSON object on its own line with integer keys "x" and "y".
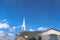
{"x": 12, "y": 29}
{"x": 4, "y": 24}
{"x": 6, "y": 36}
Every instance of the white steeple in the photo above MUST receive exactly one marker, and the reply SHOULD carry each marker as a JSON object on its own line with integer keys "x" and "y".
{"x": 23, "y": 25}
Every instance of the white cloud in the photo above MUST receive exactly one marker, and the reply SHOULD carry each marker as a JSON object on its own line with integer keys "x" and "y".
{"x": 2, "y": 21}
{"x": 42, "y": 28}
{"x": 12, "y": 29}
{"x": 7, "y": 36}
{"x": 2, "y": 33}
{"x": 4, "y": 24}
{"x": 31, "y": 30}
{"x": 11, "y": 34}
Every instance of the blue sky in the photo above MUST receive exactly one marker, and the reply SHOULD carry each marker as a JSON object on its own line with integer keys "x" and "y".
{"x": 38, "y": 13}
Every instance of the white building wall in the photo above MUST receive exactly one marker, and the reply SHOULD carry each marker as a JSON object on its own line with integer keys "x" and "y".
{"x": 45, "y": 37}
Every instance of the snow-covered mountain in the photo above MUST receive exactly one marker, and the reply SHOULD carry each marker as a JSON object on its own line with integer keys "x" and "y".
{"x": 6, "y": 36}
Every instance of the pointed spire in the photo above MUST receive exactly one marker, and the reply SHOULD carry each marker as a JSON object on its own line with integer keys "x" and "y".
{"x": 24, "y": 22}
{"x": 23, "y": 25}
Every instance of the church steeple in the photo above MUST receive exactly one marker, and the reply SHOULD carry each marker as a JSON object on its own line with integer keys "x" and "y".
{"x": 23, "y": 25}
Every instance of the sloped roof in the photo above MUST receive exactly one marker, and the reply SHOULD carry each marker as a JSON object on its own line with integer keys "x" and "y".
{"x": 51, "y": 29}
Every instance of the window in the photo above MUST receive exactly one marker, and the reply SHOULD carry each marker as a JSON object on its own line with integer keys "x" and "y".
{"x": 53, "y": 37}
{"x": 32, "y": 39}
{"x": 39, "y": 38}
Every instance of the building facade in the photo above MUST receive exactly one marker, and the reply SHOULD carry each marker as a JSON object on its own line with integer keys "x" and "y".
{"x": 50, "y": 34}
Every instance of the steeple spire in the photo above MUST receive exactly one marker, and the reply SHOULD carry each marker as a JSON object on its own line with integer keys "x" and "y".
{"x": 23, "y": 25}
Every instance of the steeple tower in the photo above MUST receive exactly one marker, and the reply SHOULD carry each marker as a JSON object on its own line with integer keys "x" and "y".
{"x": 23, "y": 25}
